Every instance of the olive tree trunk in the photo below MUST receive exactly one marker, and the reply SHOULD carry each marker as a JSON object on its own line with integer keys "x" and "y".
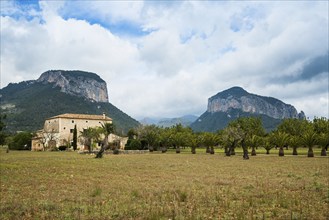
{"x": 294, "y": 151}
{"x": 245, "y": 150}
{"x": 103, "y": 147}
{"x": 212, "y": 151}
{"x": 310, "y": 152}
{"x": 281, "y": 152}
{"x": 323, "y": 152}
{"x": 253, "y": 152}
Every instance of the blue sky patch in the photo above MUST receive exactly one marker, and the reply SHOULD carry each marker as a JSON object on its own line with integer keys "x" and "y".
{"x": 23, "y": 9}
{"x": 121, "y": 28}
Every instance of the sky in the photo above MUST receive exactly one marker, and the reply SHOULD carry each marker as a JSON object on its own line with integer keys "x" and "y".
{"x": 166, "y": 58}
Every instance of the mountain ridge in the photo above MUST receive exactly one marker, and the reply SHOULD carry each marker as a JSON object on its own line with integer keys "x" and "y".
{"x": 185, "y": 120}
{"x": 236, "y": 102}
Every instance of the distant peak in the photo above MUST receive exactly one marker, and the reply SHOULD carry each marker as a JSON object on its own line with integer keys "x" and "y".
{"x": 68, "y": 74}
{"x": 235, "y": 91}
{"x": 236, "y": 88}
{"x": 78, "y": 83}
{"x": 240, "y": 99}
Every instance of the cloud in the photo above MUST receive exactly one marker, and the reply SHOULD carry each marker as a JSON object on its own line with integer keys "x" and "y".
{"x": 168, "y": 58}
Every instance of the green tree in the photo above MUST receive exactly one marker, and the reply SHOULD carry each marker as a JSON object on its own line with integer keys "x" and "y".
{"x": 294, "y": 142}
{"x": 246, "y": 128}
{"x": 267, "y": 144}
{"x": 230, "y": 138}
{"x": 132, "y": 134}
{"x": 193, "y": 142}
{"x": 324, "y": 143}
{"x": 75, "y": 138}
{"x": 280, "y": 139}
{"x": 2, "y": 126}
{"x": 254, "y": 142}
{"x": 321, "y": 127}
{"x": 309, "y": 139}
{"x": 209, "y": 140}
{"x": 21, "y": 141}
{"x": 294, "y": 126}
{"x": 150, "y": 134}
{"x": 180, "y": 136}
{"x": 88, "y": 136}
{"x": 133, "y": 144}
{"x": 107, "y": 129}
{"x": 166, "y": 139}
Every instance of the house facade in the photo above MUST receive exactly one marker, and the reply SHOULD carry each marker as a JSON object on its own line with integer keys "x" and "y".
{"x": 58, "y": 130}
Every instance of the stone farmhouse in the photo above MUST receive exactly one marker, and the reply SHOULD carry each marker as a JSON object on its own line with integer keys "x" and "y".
{"x": 58, "y": 131}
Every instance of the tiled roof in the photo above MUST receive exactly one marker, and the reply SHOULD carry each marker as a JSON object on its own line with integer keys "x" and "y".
{"x": 82, "y": 116}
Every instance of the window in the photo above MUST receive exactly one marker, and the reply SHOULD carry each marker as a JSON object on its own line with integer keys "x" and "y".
{"x": 72, "y": 121}
{"x": 64, "y": 128}
{"x": 71, "y": 130}
{"x": 86, "y": 121}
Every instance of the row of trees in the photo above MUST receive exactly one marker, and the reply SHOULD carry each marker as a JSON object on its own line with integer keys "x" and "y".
{"x": 247, "y": 133}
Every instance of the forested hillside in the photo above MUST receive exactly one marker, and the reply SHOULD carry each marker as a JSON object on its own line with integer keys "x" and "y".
{"x": 28, "y": 104}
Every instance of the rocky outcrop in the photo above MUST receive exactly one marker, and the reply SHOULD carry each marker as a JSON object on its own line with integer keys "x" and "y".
{"x": 78, "y": 83}
{"x": 238, "y": 98}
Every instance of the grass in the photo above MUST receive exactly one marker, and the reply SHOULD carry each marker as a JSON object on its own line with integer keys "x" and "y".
{"x": 66, "y": 185}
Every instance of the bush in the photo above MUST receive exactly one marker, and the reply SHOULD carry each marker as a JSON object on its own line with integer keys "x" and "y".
{"x": 133, "y": 144}
{"x": 21, "y": 141}
{"x": 62, "y": 148}
{"x": 116, "y": 151}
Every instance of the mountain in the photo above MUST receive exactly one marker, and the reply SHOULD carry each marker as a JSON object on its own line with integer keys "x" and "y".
{"x": 27, "y": 104}
{"x": 185, "y": 120}
{"x": 77, "y": 83}
{"x": 237, "y": 102}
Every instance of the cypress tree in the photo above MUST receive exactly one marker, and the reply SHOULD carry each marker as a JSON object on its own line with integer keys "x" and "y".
{"x": 75, "y": 138}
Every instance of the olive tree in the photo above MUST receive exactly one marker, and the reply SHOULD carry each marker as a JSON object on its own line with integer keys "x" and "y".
{"x": 246, "y": 128}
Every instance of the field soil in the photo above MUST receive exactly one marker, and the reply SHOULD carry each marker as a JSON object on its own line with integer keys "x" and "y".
{"x": 68, "y": 185}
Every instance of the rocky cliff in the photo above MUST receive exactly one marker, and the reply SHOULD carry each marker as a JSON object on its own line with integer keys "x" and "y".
{"x": 236, "y": 102}
{"x": 78, "y": 83}
{"x": 238, "y": 98}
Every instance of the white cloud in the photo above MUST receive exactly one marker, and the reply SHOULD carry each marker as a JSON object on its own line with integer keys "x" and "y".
{"x": 193, "y": 50}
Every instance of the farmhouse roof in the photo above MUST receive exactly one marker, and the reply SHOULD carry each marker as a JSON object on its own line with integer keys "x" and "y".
{"x": 83, "y": 116}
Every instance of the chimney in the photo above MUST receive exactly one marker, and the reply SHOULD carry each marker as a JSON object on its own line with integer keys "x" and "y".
{"x": 104, "y": 115}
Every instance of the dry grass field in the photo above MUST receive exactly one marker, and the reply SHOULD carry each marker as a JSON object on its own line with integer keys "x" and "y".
{"x": 67, "y": 185}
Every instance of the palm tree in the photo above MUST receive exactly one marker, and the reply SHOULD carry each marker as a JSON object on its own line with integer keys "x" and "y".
{"x": 107, "y": 129}
{"x": 88, "y": 135}
{"x": 267, "y": 144}
{"x": 280, "y": 139}
{"x": 309, "y": 139}
{"x": 324, "y": 142}
{"x": 193, "y": 142}
{"x": 230, "y": 137}
{"x": 254, "y": 142}
{"x": 294, "y": 142}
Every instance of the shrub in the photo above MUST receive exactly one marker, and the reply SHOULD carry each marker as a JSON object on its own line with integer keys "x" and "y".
{"x": 116, "y": 151}
{"x": 21, "y": 141}
{"x": 133, "y": 144}
{"x": 62, "y": 148}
